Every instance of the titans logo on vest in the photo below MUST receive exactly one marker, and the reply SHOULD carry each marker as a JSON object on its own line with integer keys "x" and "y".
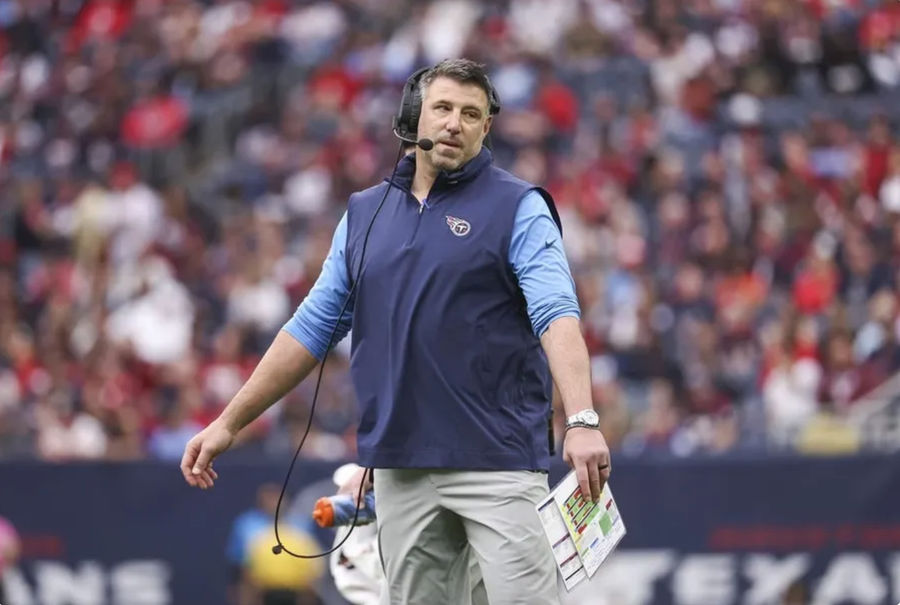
{"x": 458, "y": 226}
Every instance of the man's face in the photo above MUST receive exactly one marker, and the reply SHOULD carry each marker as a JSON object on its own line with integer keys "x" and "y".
{"x": 456, "y": 117}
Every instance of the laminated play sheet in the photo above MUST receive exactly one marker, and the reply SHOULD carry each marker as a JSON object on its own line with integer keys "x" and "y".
{"x": 581, "y": 533}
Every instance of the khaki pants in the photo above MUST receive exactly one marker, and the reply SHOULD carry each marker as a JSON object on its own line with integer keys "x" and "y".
{"x": 428, "y": 519}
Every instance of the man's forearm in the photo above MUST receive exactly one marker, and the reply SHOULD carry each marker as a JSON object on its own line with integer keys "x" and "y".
{"x": 569, "y": 363}
{"x": 285, "y": 364}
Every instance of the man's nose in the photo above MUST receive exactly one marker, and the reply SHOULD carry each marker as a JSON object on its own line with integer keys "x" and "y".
{"x": 453, "y": 122}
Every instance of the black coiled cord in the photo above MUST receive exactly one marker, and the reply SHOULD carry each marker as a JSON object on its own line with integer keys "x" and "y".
{"x": 279, "y": 546}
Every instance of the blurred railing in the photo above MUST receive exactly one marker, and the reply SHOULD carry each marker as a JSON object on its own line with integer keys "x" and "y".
{"x": 877, "y": 417}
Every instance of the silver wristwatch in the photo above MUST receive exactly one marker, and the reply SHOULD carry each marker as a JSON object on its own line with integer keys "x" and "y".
{"x": 588, "y": 419}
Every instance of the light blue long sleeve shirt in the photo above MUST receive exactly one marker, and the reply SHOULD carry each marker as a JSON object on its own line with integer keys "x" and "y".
{"x": 536, "y": 256}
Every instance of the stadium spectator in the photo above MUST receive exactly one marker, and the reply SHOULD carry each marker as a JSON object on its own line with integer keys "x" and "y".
{"x": 184, "y": 160}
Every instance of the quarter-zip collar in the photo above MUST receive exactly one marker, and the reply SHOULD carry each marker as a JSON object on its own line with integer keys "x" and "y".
{"x": 406, "y": 169}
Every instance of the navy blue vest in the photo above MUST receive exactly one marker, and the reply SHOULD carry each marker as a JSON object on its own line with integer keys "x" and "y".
{"x": 447, "y": 370}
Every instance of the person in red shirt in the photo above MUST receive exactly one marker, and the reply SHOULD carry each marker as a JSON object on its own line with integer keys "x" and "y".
{"x": 876, "y": 152}
{"x": 100, "y": 20}
{"x": 816, "y": 283}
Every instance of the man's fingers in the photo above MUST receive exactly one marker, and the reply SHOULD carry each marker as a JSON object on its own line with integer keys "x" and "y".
{"x": 203, "y": 460}
{"x": 189, "y": 478}
{"x": 187, "y": 462}
{"x": 581, "y": 473}
{"x": 589, "y": 456}
{"x": 197, "y": 461}
{"x": 594, "y": 480}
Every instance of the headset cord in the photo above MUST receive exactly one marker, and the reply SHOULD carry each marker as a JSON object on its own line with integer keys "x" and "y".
{"x": 279, "y": 546}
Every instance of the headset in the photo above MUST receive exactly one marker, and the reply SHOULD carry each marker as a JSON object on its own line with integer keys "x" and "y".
{"x": 405, "y": 128}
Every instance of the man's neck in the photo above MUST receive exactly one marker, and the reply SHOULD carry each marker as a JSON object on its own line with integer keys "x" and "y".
{"x": 424, "y": 177}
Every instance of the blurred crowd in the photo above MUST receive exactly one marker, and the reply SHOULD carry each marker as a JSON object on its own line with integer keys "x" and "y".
{"x": 728, "y": 173}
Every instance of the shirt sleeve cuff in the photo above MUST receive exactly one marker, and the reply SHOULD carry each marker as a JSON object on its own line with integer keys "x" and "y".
{"x": 305, "y": 337}
{"x": 545, "y": 317}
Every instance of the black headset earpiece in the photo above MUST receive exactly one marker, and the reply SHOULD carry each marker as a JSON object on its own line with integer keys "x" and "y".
{"x": 493, "y": 99}
{"x": 406, "y": 122}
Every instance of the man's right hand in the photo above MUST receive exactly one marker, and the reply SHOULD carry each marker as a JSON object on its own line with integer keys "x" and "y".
{"x": 201, "y": 450}
{"x": 351, "y": 486}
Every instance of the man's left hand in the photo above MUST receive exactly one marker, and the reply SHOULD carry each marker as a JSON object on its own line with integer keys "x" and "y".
{"x": 586, "y": 451}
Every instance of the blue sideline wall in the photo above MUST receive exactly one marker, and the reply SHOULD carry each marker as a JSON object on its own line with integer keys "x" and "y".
{"x": 700, "y": 532}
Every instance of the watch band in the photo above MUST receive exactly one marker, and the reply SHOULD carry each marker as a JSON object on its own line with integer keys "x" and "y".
{"x": 583, "y": 425}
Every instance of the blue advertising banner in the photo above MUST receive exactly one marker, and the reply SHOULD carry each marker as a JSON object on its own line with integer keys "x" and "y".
{"x": 729, "y": 532}
{"x": 129, "y": 534}
{"x": 700, "y": 532}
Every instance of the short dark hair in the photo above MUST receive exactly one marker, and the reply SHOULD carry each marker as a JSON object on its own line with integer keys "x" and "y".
{"x": 464, "y": 71}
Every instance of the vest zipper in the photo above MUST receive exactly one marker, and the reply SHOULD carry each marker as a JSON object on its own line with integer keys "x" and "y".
{"x": 415, "y": 231}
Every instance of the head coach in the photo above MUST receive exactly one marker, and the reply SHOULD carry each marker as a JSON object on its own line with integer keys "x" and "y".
{"x": 453, "y": 278}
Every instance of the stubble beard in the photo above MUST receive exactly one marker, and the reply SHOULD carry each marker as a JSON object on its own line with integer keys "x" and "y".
{"x": 446, "y": 163}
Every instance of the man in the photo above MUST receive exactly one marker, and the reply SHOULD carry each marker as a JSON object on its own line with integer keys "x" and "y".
{"x": 465, "y": 300}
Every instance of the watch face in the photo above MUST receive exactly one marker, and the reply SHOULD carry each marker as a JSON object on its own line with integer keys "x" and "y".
{"x": 588, "y": 417}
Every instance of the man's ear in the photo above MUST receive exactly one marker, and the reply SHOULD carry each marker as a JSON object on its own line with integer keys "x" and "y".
{"x": 487, "y": 124}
